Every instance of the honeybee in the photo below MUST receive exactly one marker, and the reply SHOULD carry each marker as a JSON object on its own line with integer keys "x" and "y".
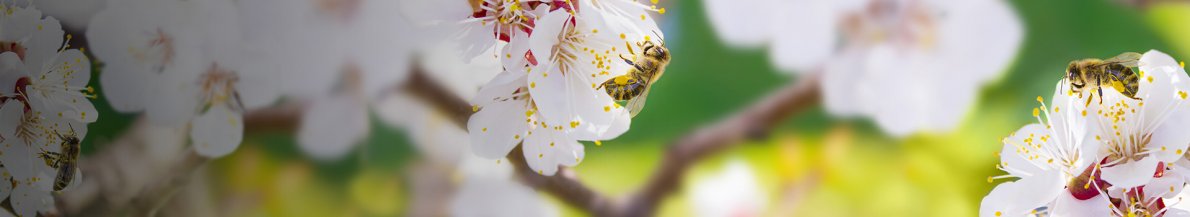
{"x": 1087, "y": 74}
{"x": 66, "y": 162}
{"x": 647, "y": 67}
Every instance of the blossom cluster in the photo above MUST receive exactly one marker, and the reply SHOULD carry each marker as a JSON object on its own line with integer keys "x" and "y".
{"x": 201, "y": 65}
{"x": 909, "y": 65}
{"x": 45, "y": 108}
{"x": 1111, "y": 155}
{"x": 554, "y": 55}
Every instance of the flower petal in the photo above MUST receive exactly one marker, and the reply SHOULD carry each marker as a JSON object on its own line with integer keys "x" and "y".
{"x": 1130, "y": 174}
{"x": 1067, "y": 205}
{"x": 1016, "y": 147}
{"x": 1170, "y": 140}
{"x": 804, "y": 36}
{"x": 741, "y": 23}
{"x": 497, "y": 128}
{"x": 332, "y": 126}
{"x": 27, "y": 201}
{"x": 217, "y": 132}
{"x": 1166, "y": 186}
{"x": 1022, "y": 196}
{"x": 545, "y": 149}
{"x": 70, "y": 69}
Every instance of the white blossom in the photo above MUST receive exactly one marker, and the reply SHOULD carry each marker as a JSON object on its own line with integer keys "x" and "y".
{"x": 731, "y": 192}
{"x": 488, "y": 190}
{"x": 361, "y": 50}
{"x": 911, "y": 65}
{"x": 1044, "y": 156}
{"x": 431, "y": 130}
{"x": 183, "y": 63}
{"x": 44, "y": 99}
{"x": 1127, "y": 154}
{"x": 548, "y": 98}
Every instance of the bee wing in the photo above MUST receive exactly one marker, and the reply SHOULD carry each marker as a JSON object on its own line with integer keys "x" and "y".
{"x": 636, "y": 104}
{"x": 1128, "y": 59}
{"x": 76, "y": 181}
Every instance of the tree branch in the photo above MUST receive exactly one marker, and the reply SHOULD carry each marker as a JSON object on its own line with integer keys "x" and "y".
{"x": 753, "y": 122}
{"x": 136, "y": 173}
{"x": 120, "y": 180}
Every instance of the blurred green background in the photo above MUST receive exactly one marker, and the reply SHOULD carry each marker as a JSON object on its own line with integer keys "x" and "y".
{"x": 856, "y": 169}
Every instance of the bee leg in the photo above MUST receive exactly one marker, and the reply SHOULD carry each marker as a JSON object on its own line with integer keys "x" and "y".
{"x": 631, "y": 63}
{"x": 51, "y": 159}
{"x": 1101, "y": 96}
{"x": 1089, "y": 99}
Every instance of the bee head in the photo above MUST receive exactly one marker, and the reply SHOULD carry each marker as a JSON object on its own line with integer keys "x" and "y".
{"x": 1074, "y": 75}
{"x": 655, "y": 51}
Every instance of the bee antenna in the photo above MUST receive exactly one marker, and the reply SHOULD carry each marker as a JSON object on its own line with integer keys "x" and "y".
{"x": 659, "y": 37}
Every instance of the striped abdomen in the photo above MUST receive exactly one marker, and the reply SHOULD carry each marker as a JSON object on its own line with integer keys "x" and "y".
{"x": 67, "y": 163}
{"x": 65, "y": 176}
{"x": 1123, "y": 79}
{"x": 624, "y": 87}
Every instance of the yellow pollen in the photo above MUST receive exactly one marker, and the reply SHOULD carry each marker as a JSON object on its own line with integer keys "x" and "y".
{"x": 622, "y": 36}
{"x": 551, "y": 144}
{"x": 998, "y": 213}
{"x": 594, "y": 30}
{"x": 485, "y": 129}
{"x": 607, "y": 108}
{"x": 621, "y": 80}
{"x": 532, "y": 84}
{"x": 1036, "y": 112}
{"x": 1084, "y": 113}
{"x": 516, "y": 136}
{"x": 474, "y": 108}
{"x": 1040, "y": 100}
{"x": 1182, "y": 94}
{"x": 598, "y": 143}
{"x": 989, "y": 179}
{"x": 574, "y": 124}
{"x": 1182, "y": 64}
{"x": 653, "y": 1}
{"x": 1179, "y": 152}
{"x": 540, "y": 155}
{"x": 642, "y": 17}
{"x": 662, "y": 11}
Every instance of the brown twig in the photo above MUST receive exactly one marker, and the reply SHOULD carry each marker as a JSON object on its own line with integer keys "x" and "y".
{"x": 565, "y": 185}
{"x": 108, "y": 190}
{"x": 124, "y": 177}
{"x": 753, "y": 122}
